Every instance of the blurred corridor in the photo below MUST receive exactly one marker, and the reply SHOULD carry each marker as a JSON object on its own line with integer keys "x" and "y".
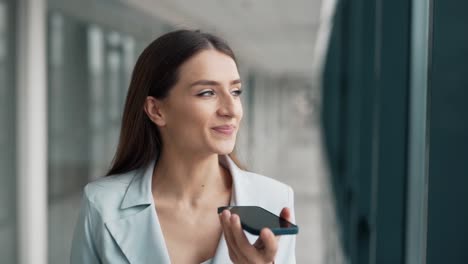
{"x": 360, "y": 106}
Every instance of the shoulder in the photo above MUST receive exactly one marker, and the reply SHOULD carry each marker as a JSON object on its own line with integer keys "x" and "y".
{"x": 267, "y": 183}
{"x": 268, "y": 192}
{"x": 106, "y": 194}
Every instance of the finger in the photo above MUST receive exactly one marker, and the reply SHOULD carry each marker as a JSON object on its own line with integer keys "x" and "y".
{"x": 222, "y": 218}
{"x": 286, "y": 213}
{"x": 246, "y": 251}
{"x": 259, "y": 243}
{"x": 271, "y": 245}
{"x": 225, "y": 216}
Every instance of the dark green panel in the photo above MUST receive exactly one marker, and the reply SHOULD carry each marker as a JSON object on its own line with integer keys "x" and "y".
{"x": 352, "y": 33}
{"x": 392, "y": 74}
{"x": 447, "y": 231}
{"x": 365, "y": 81}
{"x": 332, "y": 96}
{"x": 365, "y": 115}
{"x": 332, "y": 118}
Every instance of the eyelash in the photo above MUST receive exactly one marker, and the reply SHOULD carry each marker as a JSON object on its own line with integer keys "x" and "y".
{"x": 239, "y": 92}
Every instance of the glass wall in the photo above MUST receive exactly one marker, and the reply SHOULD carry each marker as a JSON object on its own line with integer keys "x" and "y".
{"x": 7, "y": 133}
{"x": 447, "y": 171}
{"x": 89, "y": 72}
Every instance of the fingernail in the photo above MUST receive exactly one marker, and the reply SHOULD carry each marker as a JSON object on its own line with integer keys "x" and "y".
{"x": 234, "y": 219}
{"x": 226, "y": 214}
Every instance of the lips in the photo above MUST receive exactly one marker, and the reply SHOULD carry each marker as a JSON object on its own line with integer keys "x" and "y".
{"x": 225, "y": 129}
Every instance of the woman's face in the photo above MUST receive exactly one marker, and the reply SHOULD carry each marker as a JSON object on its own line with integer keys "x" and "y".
{"x": 203, "y": 110}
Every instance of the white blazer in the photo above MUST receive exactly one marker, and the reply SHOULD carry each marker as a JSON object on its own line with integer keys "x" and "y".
{"x": 118, "y": 222}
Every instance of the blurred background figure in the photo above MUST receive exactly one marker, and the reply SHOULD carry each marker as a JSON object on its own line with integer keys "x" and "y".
{"x": 358, "y": 105}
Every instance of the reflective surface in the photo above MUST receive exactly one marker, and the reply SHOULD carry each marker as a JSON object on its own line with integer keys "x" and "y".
{"x": 7, "y": 135}
{"x": 89, "y": 70}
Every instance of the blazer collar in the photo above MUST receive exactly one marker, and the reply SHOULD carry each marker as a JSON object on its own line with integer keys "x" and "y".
{"x": 142, "y": 227}
{"x": 139, "y": 191}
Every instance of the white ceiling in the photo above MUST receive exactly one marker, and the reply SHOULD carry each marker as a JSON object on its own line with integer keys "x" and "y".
{"x": 277, "y": 36}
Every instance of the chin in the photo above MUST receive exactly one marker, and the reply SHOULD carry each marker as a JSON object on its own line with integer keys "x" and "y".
{"x": 223, "y": 149}
{"x": 221, "y": 146}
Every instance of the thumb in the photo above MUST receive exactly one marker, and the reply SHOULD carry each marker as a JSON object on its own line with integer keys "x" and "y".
{"x": 270, "y": 244}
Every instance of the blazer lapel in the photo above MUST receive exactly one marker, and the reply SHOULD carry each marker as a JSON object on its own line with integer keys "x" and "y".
{"x": 139, "y": 237}
{"x": 243, "y": 189}
{"x": 242, "y": 194}
{"x": 138, "y": 233}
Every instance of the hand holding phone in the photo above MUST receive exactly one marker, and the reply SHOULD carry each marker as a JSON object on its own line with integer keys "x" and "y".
{"x": 265, "y": 247}
{"x": 254, "y": 219}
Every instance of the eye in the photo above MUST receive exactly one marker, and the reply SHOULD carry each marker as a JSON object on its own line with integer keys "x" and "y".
{"x": 237, "y": 92}
{"x": 206, "y": 93}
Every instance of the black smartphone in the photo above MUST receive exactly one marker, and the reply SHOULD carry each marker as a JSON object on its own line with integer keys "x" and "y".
{"x": 254, "y": 218}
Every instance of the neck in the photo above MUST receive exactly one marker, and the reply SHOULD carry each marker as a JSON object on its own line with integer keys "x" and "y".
{"x": 185, "y": 180}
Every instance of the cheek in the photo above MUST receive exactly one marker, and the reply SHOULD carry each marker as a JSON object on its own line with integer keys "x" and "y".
{"x": 189, "y": 117}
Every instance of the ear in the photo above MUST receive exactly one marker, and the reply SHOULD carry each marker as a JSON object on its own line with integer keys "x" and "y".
{"x": 153, "y": 109}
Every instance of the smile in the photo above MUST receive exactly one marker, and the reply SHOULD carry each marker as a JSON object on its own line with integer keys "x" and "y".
{"x": 225, "y": 130}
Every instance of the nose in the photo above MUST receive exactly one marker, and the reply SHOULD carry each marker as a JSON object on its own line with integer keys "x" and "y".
{"x": 230, "y": 106}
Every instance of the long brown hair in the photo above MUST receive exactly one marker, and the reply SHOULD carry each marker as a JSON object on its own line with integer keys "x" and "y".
{"x": 155, "y": 73}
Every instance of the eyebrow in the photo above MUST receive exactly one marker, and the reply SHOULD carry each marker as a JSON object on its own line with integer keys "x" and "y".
{"x": 213, "y": 83}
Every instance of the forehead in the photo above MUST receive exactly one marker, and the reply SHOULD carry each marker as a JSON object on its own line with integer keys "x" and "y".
{"x": 209, "y": 65}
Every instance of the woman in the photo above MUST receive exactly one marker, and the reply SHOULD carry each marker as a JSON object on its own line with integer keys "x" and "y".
{"x": 174, "y": 167}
